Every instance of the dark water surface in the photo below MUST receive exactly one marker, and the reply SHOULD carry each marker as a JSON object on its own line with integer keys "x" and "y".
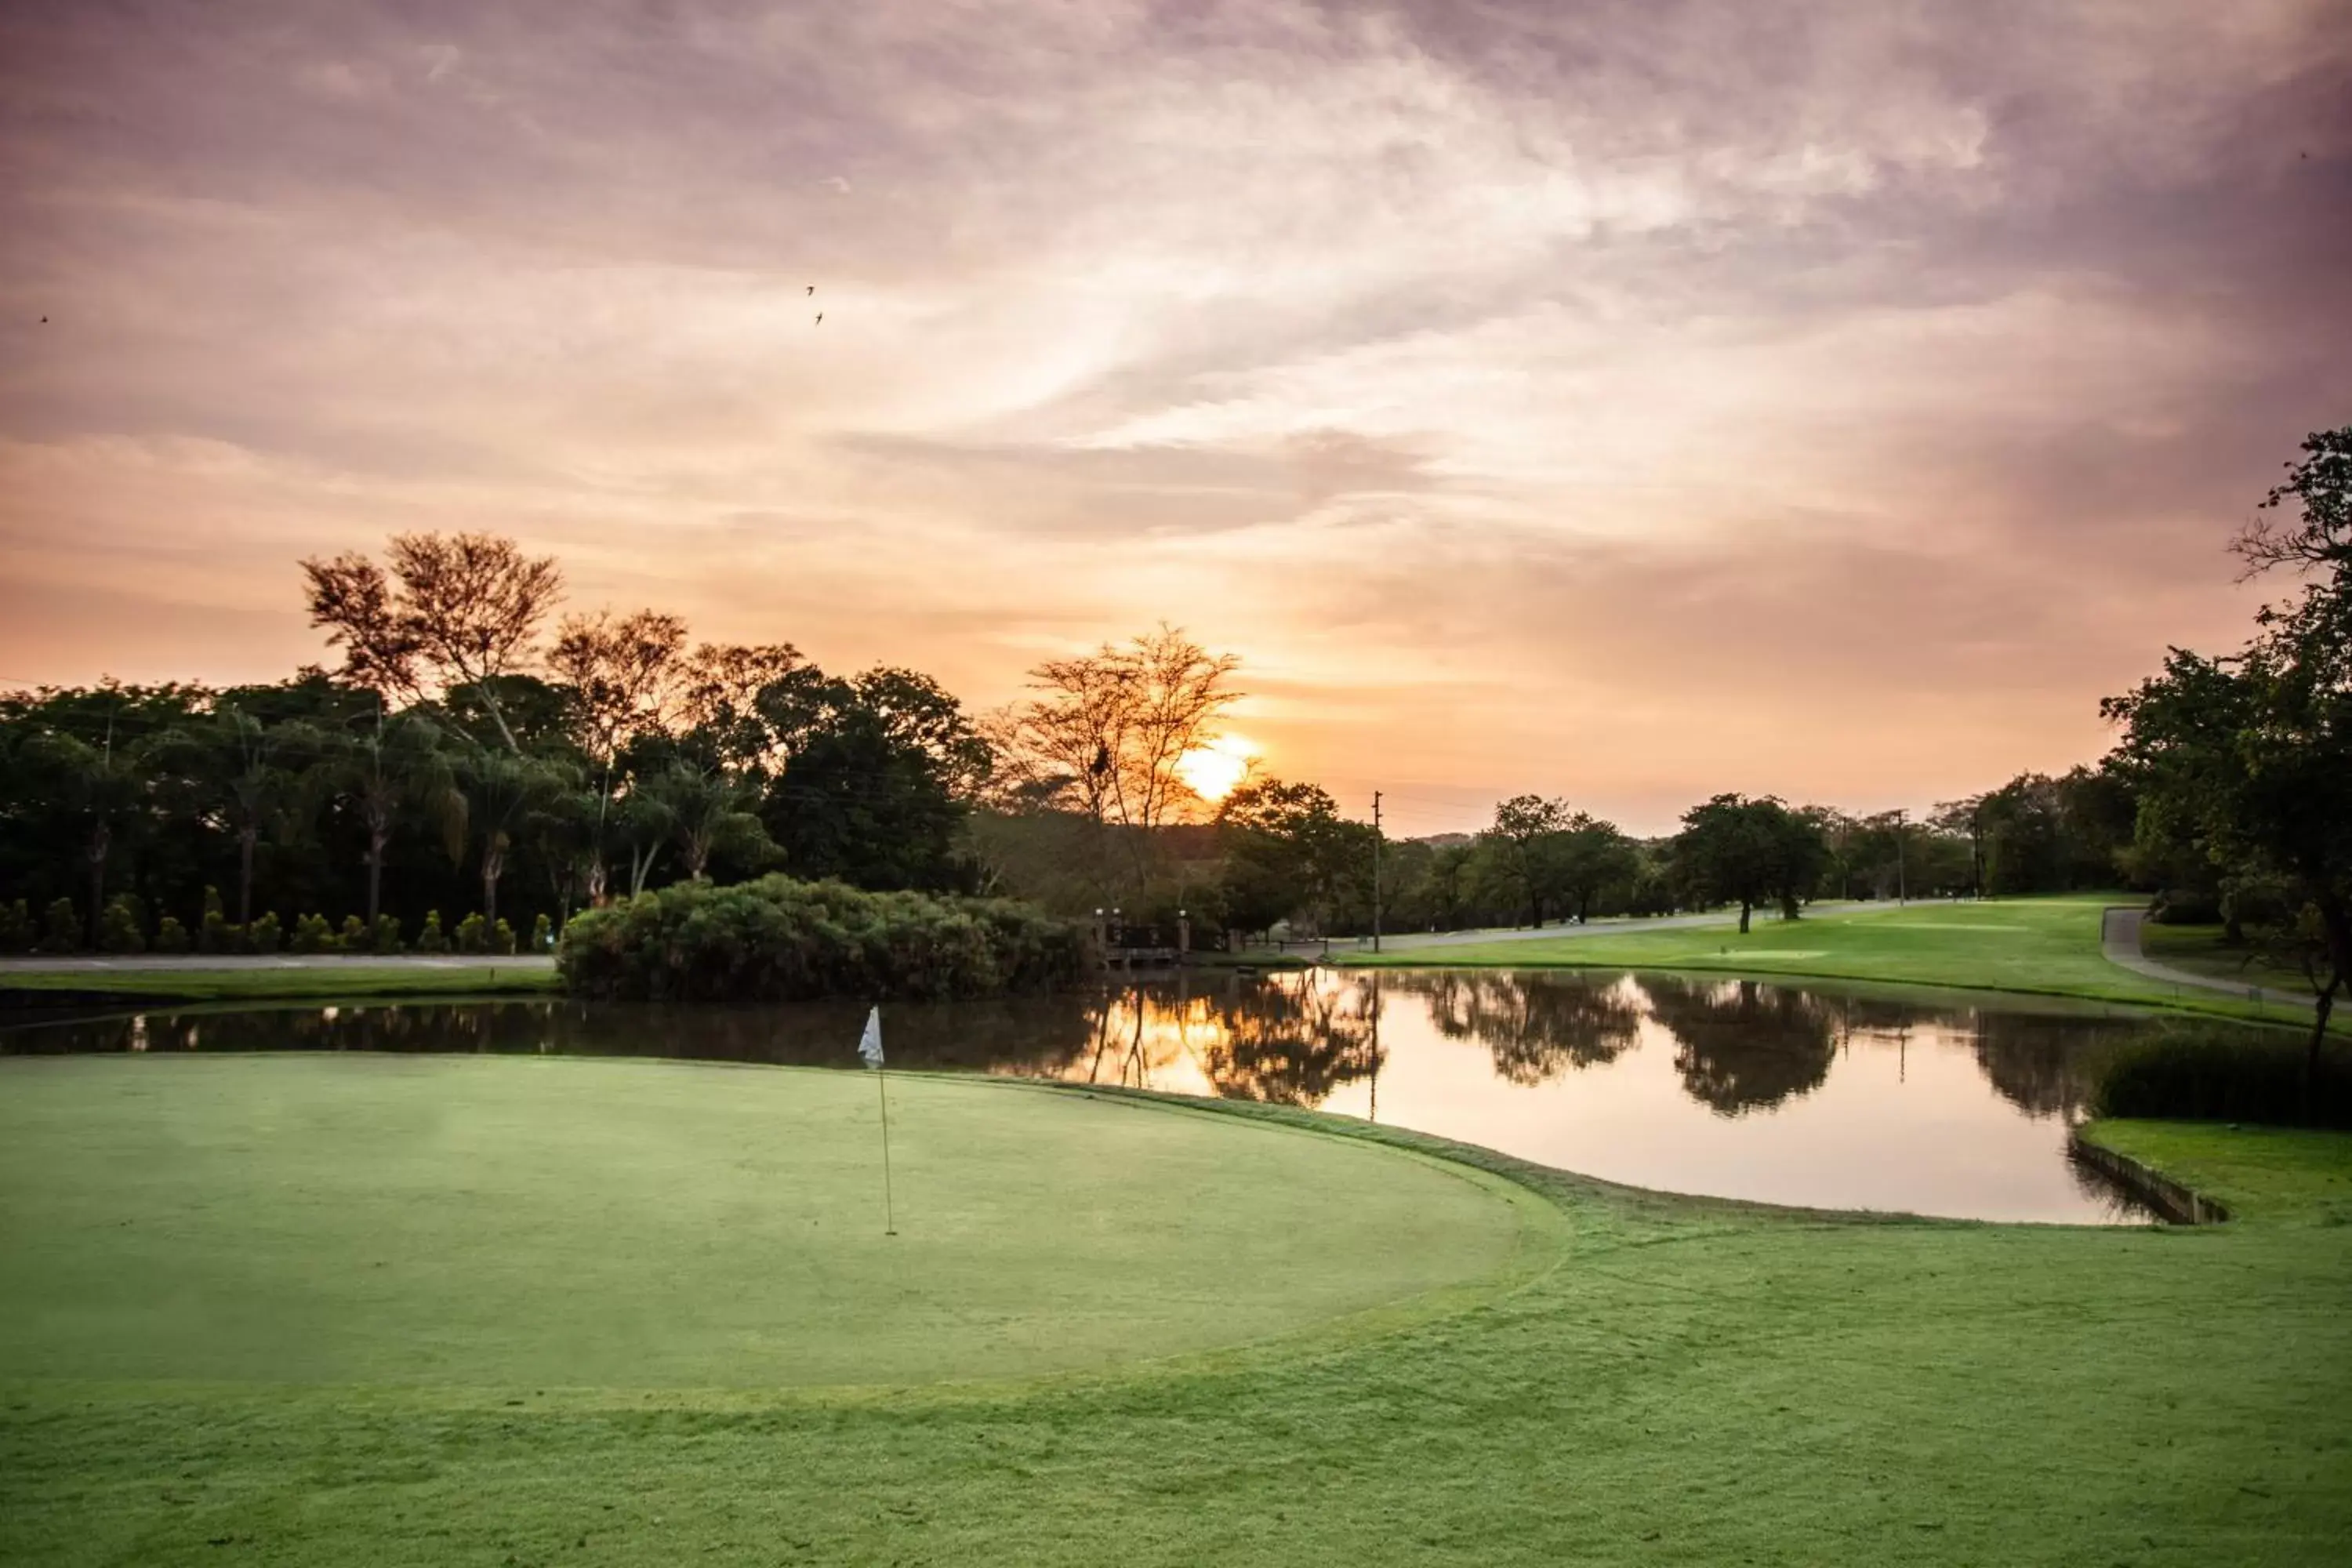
{"x": 1740, "y": 1088}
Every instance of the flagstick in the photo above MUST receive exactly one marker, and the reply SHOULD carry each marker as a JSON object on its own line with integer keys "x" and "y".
{"x": 889, "y": 1215}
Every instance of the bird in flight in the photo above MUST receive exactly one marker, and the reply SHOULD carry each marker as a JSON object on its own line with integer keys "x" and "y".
{"x": 811, "y": 287}
{"x": 820, "y": 317}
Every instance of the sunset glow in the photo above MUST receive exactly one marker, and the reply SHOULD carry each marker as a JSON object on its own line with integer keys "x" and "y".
{"x": 1215, "y": 770}
{"x": 1624, "y": 401}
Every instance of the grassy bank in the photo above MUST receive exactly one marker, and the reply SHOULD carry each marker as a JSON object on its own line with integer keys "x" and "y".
{"x": 2202, "y": 949}
{"x": 1672, "y": 1382}
{"x": 2040, "y": 946}
{"x": 325, "y": 981}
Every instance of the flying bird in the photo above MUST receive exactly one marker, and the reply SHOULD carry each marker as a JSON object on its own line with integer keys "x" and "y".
{"x": 811, "y": 287}
{"x": 820, "y": 317}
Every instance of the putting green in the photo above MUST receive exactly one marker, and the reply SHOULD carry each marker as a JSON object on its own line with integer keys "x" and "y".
{"x": 542, "y": 1224}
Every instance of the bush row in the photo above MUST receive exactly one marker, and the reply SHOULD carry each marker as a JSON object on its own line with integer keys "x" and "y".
{"x": 777, "y": 939}
{"x": 124, "y": 928}
{"x": 2207, "y": 1073}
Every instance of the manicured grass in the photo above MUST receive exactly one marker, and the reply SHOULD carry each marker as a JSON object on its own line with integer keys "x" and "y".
{"x": 1686, "y": 1381}
{"x": 2200, "y": 950}
{"x": 2044, "y": 945}
{"x": 506, "y": 1221}
{"x": 332, "y": 982}
{"x": 2287, "y": 1175}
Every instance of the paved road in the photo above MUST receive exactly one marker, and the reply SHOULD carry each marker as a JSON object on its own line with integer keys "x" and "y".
{"x": 2119, "y": 944}
{"x": 146, "y": 964}
{"x": 1411, "y": 941}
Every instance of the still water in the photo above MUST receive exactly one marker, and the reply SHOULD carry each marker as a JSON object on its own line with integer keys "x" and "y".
{"x": 1739, "y": 1089}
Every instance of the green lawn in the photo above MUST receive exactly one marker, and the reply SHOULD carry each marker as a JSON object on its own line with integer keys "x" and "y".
{"x": 2048, "y": 946}
{"x": 2288, "y": 1175}
{"x": 1635, "y": 1380}
{"x": 2202, "y": 950}
{"x": 321, "y": 982}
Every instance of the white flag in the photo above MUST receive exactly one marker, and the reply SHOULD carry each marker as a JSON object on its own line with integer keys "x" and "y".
{"x": 869, "y": 1044}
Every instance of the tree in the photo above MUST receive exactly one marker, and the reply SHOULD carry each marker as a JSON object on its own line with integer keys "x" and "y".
{"x": 458, "y": 609}
{"x": 1288, "y": 849}
{"x": 1587, "y": 857}
{"x": 1107, "y": 729}
{"x": 394, "y": 763}
{"x": 707, "y": 811}
{"x": 1524, "y": 827}
{"x": 1732, "y": 849}
{"x": 501, "y": 790}
{"x": 96, "y": 789}
{"x": 239, "y": 767}
{"x": 2250, "y": 755}
{"x": 718, "y": 701}
{"x": 878, "y": 772}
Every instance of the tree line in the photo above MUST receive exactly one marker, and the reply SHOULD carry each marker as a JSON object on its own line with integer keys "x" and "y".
{"x": 477, "y": 754}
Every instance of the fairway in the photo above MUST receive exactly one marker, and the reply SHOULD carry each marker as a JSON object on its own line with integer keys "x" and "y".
{"x": 533, "y": 1223}
{"x": 2047, "y": 946}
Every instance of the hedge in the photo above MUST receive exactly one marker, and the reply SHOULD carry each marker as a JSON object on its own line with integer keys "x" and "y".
{"x": 778, "y": 940}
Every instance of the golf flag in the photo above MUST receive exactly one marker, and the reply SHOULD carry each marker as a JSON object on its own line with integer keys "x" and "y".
{"x": 869, "y": 1044}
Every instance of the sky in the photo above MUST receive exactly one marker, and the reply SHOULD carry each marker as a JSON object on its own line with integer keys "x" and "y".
{"x": 1628, "y": 401}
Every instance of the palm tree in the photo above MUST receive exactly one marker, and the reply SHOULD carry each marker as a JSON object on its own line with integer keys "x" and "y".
{"x": 398, "y": 763}
{"x": 501, "y": 790}
{"x": 235, "y": 760}
{"x": 706, "y": 812}
{"x": 98, "y": 788}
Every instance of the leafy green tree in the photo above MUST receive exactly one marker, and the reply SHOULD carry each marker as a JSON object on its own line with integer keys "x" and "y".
{"x": 393, "y": 766}
{"x": 2250, "y": 755}
{"x": 500, "y": 791}
{"x": 878, "y": 774}
{"x": 1587, "y": 857}
{"x": 1520, "y": 845}
{"x": 1732, "y": 849}
{"x": 95, "y": 790}
{"x": 707, "y": 812}
{"x": 1288, "y": 851}
{"x": 243, "y": 775}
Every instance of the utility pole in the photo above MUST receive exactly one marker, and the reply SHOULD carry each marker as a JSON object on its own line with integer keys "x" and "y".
{"x": 1376, "y": 870}
{"x": 1902, "y": 888}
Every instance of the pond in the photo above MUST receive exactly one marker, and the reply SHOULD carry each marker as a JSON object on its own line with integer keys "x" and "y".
{"x": 1786, "y": 1094}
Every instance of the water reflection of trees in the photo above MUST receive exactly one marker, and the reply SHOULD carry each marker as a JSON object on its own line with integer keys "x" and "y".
{"x": 1741, "y": 1046}
{"x": 1295, "y": 1039}
{"x": 1536, "y": 1026}
{"x": 2038, "y": 1064}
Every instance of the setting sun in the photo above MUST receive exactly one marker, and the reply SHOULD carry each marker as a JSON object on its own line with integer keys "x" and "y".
{"x": 1214, "y": 771}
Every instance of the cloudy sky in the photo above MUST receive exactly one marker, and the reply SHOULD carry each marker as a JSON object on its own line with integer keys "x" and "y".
{"x": 1627, "y": 400}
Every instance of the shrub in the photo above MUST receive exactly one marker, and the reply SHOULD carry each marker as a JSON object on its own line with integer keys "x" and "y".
{"x": 64, "y": 933}
{"x": 428, "y": 937}
{"x": 262, "y": 935}
{"x": 2185, "y": 907}
{"x": 2208, "y": 1073}
{"x": 473, "y": 934}
{"x": 781, "y": 939}
{"x": 171, "y": 936}
{"x": 121, "y": 925}
{"x": 17, "y": 932}
{"x": 387, "y": 935}
{"x": 215, "y": 934}
{"x": 312, "y": 934}
{"x": 542, "y": 934}
{"x": 354, "y": 937}
{"x": 502, "y": 938}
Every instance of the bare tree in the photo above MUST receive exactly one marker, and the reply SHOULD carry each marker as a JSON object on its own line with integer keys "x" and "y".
{"x": 1105, "y": 730}
{"x": 625, "y": 675}
{"x": 461, "y": 609}
{"x": 718, "y": 694}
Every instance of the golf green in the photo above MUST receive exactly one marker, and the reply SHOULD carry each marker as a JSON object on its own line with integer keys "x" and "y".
{"x": 602, "y": 1226}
